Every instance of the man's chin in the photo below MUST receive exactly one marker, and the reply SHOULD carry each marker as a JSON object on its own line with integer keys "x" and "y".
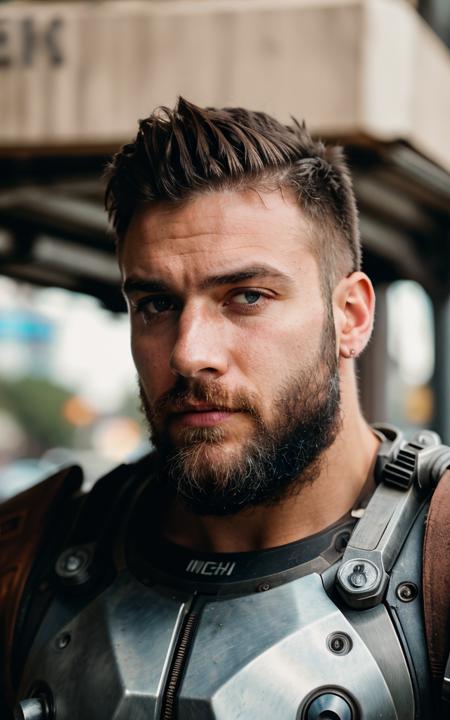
{"x": 203, "y": 474}
{"x": 218, "y": 438}
{"x": 185, "y": 438}
{"x": 220, "y": 455}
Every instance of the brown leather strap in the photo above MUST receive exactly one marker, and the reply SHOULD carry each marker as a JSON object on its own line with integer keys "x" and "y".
{"x": 436, "y": 578}
{"x": 22, "y": 523}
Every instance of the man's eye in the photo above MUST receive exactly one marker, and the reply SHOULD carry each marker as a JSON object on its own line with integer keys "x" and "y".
{"x": 249, "y": 297}
{"x": 151, "y": 307}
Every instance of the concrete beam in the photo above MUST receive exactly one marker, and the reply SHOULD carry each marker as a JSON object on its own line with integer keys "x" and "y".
{"x": 78, "y": 75}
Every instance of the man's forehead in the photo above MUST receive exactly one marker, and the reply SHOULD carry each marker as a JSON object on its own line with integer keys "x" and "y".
{"x": 246, "y": 213}
{"x": 214, "y": 233}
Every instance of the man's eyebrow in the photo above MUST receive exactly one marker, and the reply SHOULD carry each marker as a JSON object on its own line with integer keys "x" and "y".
{"x": 133, "y": 285}
{"x": 253, "y": 272}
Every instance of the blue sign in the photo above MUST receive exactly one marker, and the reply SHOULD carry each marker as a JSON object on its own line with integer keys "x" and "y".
{"x": 25, "y": 326}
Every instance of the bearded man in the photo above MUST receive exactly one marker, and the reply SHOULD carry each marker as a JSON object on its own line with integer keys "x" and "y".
{"x": 226, "y": 575}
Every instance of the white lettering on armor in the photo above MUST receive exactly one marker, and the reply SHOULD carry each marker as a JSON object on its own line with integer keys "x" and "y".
{"x": 210, "y": 567}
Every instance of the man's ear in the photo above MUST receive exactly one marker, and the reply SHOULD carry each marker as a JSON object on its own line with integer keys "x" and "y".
{"x": 354, "y": 308}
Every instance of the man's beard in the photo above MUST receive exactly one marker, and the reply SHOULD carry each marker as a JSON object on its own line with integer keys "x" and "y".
{"x": 277, "y": 460}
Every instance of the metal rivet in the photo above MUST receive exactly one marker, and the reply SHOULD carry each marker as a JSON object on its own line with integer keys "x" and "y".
{"x": 74, "y": 566}
{"x": 339, "y": 643}
{"x": 72, "y": 563}
{"x": 341, "y": 541}
{"x": 407, "y": 591}
{"x": 263, "y": 587}
{"x": 358, "y": 576}
{"x": 329, "y": 705}
{"x": 62, "y": 641}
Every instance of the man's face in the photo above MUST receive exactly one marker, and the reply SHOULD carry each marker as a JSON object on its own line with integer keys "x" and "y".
{"x": 234, "y": 345}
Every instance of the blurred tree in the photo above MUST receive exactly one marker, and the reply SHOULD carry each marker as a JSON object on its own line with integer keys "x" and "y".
{"x": 37, "y": 405}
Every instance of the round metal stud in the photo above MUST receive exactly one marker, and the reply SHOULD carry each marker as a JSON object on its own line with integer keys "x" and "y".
{"x": 329, "y": 706}
{"x": 74, "y": 565}
{"x": 358, "y": 575}
{"x": 30, "y": 709}
{"x": 407, "y": 591}
{"x": 341, "y": 541}
{"x": 339, "y": 643}
{"x": 62, "y": 641}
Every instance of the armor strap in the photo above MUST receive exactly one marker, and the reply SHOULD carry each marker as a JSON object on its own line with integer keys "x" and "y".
{"x": 24, "y": 523}
{"x": 436, "y": 580}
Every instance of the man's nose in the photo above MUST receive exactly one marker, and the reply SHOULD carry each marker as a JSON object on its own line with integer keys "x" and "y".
{"x": 200, "y": 344}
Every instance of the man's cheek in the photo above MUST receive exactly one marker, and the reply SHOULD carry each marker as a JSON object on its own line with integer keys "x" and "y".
{"x": 136, "y": 350}
{"x": 144, "y": 358}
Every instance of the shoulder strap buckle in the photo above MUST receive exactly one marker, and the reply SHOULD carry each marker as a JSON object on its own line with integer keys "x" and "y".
{"x": 404, "y": 471}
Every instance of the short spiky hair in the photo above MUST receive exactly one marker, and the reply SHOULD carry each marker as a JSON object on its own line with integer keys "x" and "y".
{"x": 180, "y": 153}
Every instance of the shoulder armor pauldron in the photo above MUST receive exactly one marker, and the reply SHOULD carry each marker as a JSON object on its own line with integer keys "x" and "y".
{"x": 25, "y": 520}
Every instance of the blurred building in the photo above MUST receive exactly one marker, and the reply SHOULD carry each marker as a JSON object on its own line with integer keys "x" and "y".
{"x": 372, "y": 74}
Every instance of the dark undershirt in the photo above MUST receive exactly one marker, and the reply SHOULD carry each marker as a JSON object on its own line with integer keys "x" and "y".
{"x": 229, "y": 567}
{"x": 148, "y": 551}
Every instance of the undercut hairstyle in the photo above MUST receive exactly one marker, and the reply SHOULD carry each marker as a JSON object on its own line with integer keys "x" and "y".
{"x": 188, "y": 151}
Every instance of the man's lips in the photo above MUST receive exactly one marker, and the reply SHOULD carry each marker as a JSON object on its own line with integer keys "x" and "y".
{"x": 201, "y": 415}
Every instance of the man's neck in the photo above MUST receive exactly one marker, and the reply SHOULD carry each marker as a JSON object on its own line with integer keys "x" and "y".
{"x": 344, "y": 470}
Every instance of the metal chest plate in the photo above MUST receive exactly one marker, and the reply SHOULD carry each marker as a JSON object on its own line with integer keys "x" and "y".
{"x": 264, "y": 655}
{"x": 110, "y": 661}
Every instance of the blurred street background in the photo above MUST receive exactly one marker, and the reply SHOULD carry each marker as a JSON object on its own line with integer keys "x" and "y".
{"x": 75, "y": 77}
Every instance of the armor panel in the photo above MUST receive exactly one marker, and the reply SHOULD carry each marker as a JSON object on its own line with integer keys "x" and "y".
{"x": 266, "y": 655}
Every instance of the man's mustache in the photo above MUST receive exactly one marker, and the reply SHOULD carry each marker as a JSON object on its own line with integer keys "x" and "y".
{"x": 212, "y": 393}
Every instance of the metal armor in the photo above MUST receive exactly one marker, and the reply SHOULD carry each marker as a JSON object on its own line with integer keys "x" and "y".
{"x": 118, "y": 624}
